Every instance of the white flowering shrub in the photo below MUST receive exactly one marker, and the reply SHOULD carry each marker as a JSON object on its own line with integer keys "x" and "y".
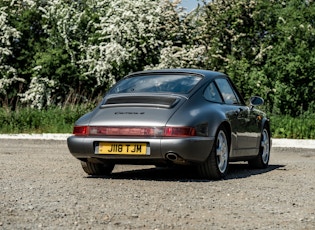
{"x": 184, "y": 46}
{"x": 126, "y": 39}
{"x": 7, "y": 71}
{"x": 63, "y": 24}
{"x": 39, "y": 91}
{"x": 58, "y": 52}
{"x": 182, "y": 57}
{"x": 54, "y": 70}
{"x": 91, "y": 44}
{"x": 103, "y": 40}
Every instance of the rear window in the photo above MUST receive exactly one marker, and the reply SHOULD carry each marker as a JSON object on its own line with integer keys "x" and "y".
{"x": 157, "y": 84}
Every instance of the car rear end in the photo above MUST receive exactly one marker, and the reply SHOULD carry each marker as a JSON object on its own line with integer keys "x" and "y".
{"x": 133, "y": 125}
{"x": 137, "y": 135}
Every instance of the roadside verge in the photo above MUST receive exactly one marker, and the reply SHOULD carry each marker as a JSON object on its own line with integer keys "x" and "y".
{"x": 276, "y": 143}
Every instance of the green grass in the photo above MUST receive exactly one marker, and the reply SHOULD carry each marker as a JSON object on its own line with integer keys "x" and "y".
{"x": 302, "y": 127}
{"x": 61, "y": 120}
{"x": 51, "y": 120}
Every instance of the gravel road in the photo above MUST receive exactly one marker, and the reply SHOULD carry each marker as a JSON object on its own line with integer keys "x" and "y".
{"x": 43, "y": 187}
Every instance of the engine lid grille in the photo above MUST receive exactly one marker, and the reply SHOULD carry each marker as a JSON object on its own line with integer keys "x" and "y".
{"x": 145, "y": 101}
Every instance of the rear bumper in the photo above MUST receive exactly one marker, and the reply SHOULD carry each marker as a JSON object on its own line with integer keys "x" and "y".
{"x": 192, "y": 149}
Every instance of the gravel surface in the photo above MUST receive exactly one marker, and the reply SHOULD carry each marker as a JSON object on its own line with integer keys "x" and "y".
{"x": 43, "y": 187}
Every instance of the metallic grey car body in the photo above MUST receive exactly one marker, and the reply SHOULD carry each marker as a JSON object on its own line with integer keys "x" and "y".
{"x": 243, "y": 123}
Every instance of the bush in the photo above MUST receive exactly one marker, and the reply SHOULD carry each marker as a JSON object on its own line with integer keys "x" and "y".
{"x": 50, "y": 120}
{"x": 302, "y": 127}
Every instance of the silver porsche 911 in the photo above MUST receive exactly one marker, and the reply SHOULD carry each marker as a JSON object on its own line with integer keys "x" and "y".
{"x": 175, "y": 116}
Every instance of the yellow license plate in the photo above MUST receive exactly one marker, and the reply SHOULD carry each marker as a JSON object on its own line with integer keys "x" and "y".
{"x": 122, "y": 148}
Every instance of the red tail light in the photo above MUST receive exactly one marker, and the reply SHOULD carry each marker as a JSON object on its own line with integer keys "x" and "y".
{"x": 179, "y": 131}
{"x": 134, "y": 131}
{"x": 81, "y": 130}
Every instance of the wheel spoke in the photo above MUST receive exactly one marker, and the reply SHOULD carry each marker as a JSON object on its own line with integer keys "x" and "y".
{"x": 216, "y": 165}
{"x": 265, "y": 146}
{"x": 222, "y": 151}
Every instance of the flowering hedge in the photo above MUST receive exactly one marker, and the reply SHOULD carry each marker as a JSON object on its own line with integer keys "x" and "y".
{"x": 68, "y": 52}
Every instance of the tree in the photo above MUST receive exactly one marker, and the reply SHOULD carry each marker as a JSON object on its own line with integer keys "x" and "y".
{"x": 184, "y": 46}
{"x": 59, "y": 52}
{"x": 291, "y": 62}
{"x": 8, "y": 73}
{"x": 129, "y": 37}
{"x": 91, "y": 44}
{"x": 239, "y": 35}
{"x": 267, "y": 47}
{"x": 55, "y": 76}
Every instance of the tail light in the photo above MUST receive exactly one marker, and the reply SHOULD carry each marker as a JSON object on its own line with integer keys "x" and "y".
{"x": 179, "y": 131}
{"x": 81, "y": 130}
{"x": 135, "y": 131}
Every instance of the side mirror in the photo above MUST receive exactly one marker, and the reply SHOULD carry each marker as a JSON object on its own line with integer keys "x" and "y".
{"x": 256, "y": 101}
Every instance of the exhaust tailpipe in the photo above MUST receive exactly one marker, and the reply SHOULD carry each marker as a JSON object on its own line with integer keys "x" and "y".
{"x": 175, "y": 158}
{"x": 171, "y": 156}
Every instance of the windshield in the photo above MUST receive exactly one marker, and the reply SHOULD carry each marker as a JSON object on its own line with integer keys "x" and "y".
{"x": 157, "y": 84}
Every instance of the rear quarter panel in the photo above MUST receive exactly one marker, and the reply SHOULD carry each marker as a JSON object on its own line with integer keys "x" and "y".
{"x": 196, "y": 111}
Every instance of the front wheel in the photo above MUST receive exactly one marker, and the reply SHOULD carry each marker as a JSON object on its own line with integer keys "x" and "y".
{"x": 216, "y": 165}
{"x": 262, "y": 160}
{"x": 96, "y": 169}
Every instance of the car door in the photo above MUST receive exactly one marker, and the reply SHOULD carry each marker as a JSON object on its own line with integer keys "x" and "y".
{"x": 242, "y": 119}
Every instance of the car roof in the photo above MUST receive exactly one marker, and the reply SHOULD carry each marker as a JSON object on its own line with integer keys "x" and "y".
{"x": 205, "y": 73}
{"x": 208, "y": 75}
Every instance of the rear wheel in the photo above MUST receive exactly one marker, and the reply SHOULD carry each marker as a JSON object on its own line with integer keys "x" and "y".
{"x": 97, "y": 169}
{"x": 216, "y": 165}
{"x": 262, "y": 160}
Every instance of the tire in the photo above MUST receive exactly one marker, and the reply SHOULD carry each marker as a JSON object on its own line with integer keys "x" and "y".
{"x": 95, "y": 169}
{"x": 262, "y": 160}
{"x": 216, "y": 165}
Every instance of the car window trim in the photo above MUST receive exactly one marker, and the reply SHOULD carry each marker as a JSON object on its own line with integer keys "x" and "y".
{"x": 234, "y": 91}
{"x": 218, "y": 90}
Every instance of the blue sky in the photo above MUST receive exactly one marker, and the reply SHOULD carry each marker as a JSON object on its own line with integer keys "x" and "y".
{"x": 190, "y": 4}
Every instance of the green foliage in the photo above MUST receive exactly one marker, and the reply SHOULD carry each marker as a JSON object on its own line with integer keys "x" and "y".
{"x": 51, "y": 120}
{"x": 267, "y": 47}
{"x": 302, "y": 127}
{"x": 242, "y": 34}
{"x": 60, "y": 53}
{"x": 299, "y": 127}
{"x": 291, "y": 62}
{"x": 8, "y": 73}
